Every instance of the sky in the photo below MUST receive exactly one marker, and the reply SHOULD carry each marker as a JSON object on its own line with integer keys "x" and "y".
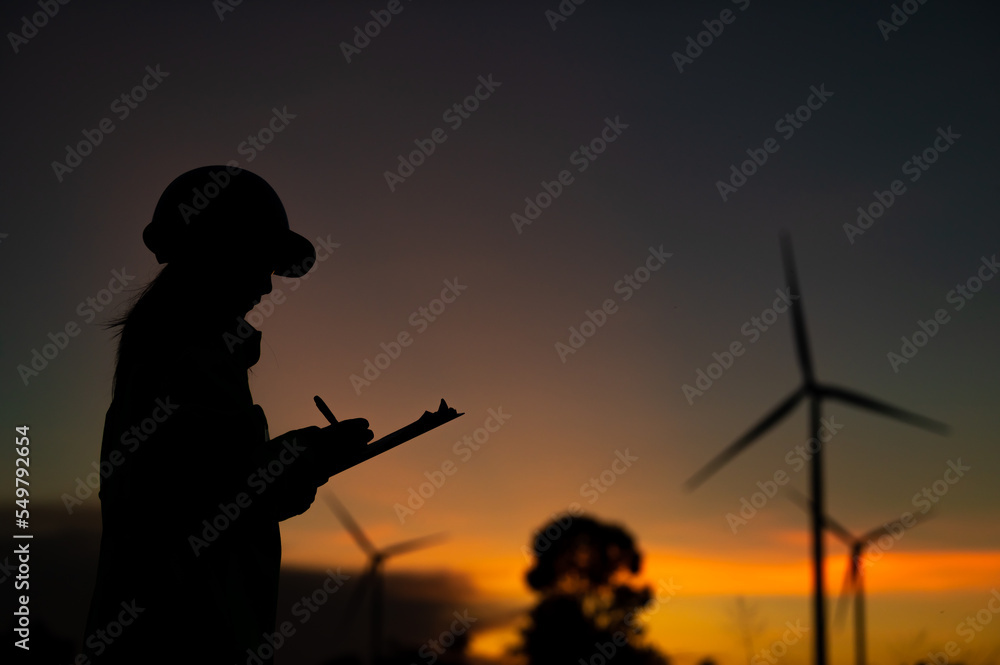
{"x": 654, "y": 245}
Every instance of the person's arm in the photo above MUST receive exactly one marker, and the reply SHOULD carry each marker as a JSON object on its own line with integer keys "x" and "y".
{"x": 208, "y": 449}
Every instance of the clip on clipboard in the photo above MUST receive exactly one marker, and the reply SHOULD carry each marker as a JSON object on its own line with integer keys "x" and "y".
{"x": 425, "y": 423}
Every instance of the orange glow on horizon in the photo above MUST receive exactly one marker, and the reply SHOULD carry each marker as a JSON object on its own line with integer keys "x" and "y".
{"x": 498, "y": 570}
{"x": 761, "y": 575}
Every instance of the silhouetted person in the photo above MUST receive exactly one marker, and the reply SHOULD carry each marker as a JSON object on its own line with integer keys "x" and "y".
{"x": 587, "y": 610}
{"x": 192, "y": 487}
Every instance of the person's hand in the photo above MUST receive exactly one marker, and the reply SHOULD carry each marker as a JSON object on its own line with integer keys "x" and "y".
{"x": 341, "y": 446}
{"x": 308, "y": 457}
{"x": 283, "y": 473}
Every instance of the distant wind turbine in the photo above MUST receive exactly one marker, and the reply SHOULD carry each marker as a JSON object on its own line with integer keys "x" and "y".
{"x": 815, "y": 393}
{"x": 749, "y": 624}
{"x": 854, "y": 579}
{"x": 373, "y": 576}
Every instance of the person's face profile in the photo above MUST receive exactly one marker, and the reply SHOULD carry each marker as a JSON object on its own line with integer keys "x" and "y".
{"x": 244, "y": 280}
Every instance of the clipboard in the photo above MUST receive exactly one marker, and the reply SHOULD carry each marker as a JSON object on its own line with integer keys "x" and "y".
{"x": 425, "y": 423}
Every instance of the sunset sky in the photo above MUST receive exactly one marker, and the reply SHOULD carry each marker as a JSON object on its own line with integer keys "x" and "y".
{"x": 649, "y": 199}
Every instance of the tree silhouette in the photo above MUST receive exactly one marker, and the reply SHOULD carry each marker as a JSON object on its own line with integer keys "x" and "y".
{"x": 588, "y": 610}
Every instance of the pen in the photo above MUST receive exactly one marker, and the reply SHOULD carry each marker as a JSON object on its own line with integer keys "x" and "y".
{"x": 325, "y": 410}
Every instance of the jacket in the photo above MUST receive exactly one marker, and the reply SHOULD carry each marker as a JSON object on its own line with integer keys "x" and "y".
{"x": 190, "y": 548}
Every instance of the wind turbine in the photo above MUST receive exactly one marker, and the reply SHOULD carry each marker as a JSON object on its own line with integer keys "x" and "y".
{"x": 854, "y": 579}
{"x": 814, "y": 392}
{"x": 373, "y": 576}
{"x": 749, "y": 624}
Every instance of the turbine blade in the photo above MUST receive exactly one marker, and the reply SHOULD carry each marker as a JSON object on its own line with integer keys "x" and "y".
{"x": 875, "y": 533}
{"x": 412, "y": 545}
{"x": 352, "y": 527}
{"x": 872, "y": 404}
{"x": 737, "y": 446}
{"x": 798, "y": 313}
{"x": 832, "y": 525}
{"x": 923, "y": 517}
{"x": 843, "y": 600}
{"x": 837, "y": 529}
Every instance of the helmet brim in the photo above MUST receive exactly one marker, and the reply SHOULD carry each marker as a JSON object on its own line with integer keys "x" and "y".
{"x": 295, "y": 256}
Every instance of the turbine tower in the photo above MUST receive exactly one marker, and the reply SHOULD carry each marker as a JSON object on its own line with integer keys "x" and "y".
{"x": 814, "y": 392}
{"x": 854, "y": 579}
{"x": 373, "y": 577}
